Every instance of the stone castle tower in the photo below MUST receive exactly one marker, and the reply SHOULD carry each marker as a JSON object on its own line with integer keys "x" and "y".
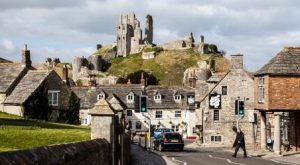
{"x": 129, "y": 34}
{"x": 148, "y": 30}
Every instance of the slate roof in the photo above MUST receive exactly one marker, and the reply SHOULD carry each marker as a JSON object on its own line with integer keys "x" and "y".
{"x": 286, "y": 62}
{"x": 2, "y": 60}
{"x": 167, "y": 97}
{"x": 216, "y": 77}
{"x": 9, "y": 72}
{"x": 88, "y": 96}
{"x": 29, "y": 83}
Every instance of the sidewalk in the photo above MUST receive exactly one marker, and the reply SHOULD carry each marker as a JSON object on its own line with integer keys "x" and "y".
{"x": 140, "y": 156}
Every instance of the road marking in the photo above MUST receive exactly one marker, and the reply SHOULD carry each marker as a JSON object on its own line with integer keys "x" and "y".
{"x": 184, "y": 163}
{"x": 282, "y": 162}
{"x": 228, "y": 160}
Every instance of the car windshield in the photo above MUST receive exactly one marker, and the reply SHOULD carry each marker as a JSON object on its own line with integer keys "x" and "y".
{"x": 172, "y": 136}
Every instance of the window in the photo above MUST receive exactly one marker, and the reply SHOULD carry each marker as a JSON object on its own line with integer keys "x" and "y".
{"x": 100, "y": 96}
{"x": 53, "y": 98}
{"x": 224, "y": 90}
{"x": 138, "y": 125}
{"x": 216, "y": 115}
{"x": 158, "y": 114}
{"x": 216, "y": 138}
{"x": 157, "y": 97}
{"x": 261, "y": 89}
{"x": 175, "y": 128}
{"x": 177, "y": 113}
{"x": 177, "y": 98}
{"x": 130, "y": 98}
{"x": 129, "y": 113}
{"x": 191, "y": 99}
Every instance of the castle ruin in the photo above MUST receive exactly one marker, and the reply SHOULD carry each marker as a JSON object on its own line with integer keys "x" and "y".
{"x": 129, "y": 34}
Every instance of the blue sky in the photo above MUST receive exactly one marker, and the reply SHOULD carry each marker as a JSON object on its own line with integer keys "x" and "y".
{"x": 64, "y": 29}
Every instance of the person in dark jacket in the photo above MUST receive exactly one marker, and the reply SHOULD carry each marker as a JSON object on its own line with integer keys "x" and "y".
{"x": 239, "y": 142}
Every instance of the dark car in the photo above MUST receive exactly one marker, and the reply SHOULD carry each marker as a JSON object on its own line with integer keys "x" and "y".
{"x": 168, "y": 140}
{"x": 160, "y": 130}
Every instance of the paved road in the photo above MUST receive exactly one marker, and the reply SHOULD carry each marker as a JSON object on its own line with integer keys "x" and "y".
{"x": 202, "y": 157}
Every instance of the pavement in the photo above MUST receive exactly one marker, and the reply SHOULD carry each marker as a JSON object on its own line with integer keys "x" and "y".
{"x": 141, "y": 156}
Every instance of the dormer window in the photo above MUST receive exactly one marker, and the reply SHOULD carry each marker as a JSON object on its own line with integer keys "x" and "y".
{"x": 130, "y": 97}
{"x": 177, "y": 98}
{"x": 100, "y": 96}
{"x": 191, "y": 100}
{"x": 157, "y": 97}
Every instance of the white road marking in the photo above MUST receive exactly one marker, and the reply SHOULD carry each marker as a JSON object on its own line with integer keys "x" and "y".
{"x": 184, "y": 163}
{"x": 228, "y": 160}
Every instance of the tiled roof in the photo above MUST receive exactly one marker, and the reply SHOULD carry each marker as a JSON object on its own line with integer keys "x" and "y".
{"x": 9, "y": 72}
{"x": 29, "y": 83}
{"x": 167, "y": 97}
{"x": 216, "y": 77}
{"x": 88, "y": 96}
{"x": 2, "y": 60}
{"x": 286, "y": 62}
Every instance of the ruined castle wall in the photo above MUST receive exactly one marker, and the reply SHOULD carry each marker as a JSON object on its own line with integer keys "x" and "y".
{"x": 148, "y": 30}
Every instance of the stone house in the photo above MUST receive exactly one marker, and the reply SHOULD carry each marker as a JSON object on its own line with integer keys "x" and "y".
{"x": 36, "y": 93}
{"x": 217, "y": 113}
{"x": 171, "y": 107}
{"x": 277, "y": 98}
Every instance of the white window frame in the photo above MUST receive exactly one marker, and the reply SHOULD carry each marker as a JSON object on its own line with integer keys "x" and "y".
{"x": 216, "y": 110}
{"x": 261, "y": 89}
{"x": 130, "y": 98}
{"x": 175, "y": 128}
{"x": 178, "y": 114}
{"x": 100, "y": 96}
{"x": 51, "y": 101}
{"x": 158, "y": 114}
{"x": 177, "y": 98}
{"x": 216, "y": 138}
{"x": 157, "y": 97}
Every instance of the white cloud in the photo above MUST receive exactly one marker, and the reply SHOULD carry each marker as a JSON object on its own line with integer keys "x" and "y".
{"x": 8, "y": 45}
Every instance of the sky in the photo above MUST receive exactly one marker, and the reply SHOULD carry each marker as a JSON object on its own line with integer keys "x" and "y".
{"x": 67, "y": 28}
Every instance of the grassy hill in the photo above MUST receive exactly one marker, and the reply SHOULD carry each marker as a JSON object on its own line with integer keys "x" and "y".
{"x": 168, "y": 66}
{"x": 18, "y": 133}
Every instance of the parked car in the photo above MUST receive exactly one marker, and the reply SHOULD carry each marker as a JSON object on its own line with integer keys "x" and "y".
{"x": 168, "y": 140}
{"x": 160, "y": 130}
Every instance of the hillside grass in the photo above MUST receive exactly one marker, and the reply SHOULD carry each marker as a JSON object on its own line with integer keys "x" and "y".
{"x": 18, "y": 133}
{"x": 168, "y": 66}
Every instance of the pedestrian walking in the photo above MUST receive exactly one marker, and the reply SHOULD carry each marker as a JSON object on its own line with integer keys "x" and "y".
{"x": 269, "y": 143}
{"x": 239, "y": 142}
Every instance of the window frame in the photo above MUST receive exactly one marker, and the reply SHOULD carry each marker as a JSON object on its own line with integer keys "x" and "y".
{"x": 177, "y": 98}
{"x": 215, "y": 138}
{"x": 138, "y": 125}
{"x": 178, "y": 115}
{"x": 261, "y": 89}
{"x": 158, "y": 116}
{"x": 130, "y": 98}
{"x": 128, "y": 112}
{"x": 157, "y": 97}
{"x": 216, "y": 117}
{"x": 224, "y": 90}
{"x": 100, "y": 96}
{"x": 51, "y": 93}
{"x": 175, "y": 128}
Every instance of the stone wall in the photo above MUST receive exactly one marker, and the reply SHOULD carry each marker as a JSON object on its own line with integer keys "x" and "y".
{"x": 88, "y": 152}
{"x": 2, "y": 98}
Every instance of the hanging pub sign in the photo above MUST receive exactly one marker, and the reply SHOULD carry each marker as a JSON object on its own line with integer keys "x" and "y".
{"x": 214, "y": 101}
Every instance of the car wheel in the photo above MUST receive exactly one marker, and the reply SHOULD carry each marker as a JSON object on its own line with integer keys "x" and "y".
{"x": 160, "y": 148}
{"x": 180, "y": 149}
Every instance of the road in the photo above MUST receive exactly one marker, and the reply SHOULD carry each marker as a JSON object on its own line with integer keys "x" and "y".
{"x": 212, "y": 157}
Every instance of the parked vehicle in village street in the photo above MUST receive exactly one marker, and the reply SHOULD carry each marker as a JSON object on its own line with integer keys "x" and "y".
{"x": 161, "y": 130}
{"x": 168, "y": 140}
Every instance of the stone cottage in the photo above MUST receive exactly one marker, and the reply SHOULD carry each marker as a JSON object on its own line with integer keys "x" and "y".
{"x": 218, "y": 111}
{"x": 36, "y": 93}
{"x": 277, "y": 98}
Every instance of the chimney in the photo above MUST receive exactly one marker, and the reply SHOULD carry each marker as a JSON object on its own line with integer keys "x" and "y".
{"x": 26, "y": 57}
{"x": 142, "y": 81}
{"x": 65, "y": 75}
{"x": 202, "y": 39}
{"x": 237, "y": 61}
